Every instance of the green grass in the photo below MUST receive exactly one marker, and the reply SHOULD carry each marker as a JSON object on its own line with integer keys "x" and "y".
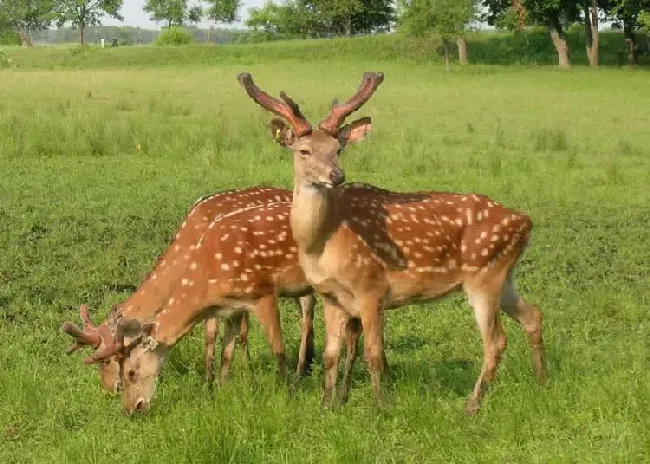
{"x": 486, "y": 48}
{"x": 99, "y": 166}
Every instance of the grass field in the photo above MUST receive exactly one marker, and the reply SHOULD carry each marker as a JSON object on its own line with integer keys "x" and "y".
{"x": 485, "y": 48}
{"x": 99, "y": 167}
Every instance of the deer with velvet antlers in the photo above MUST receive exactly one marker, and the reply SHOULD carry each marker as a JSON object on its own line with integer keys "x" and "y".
{"x": 149, "y": 298}
{"x": 383, "y": 250}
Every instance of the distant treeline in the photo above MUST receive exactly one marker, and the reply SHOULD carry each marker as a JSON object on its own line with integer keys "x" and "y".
{"x": 133, "y": 35}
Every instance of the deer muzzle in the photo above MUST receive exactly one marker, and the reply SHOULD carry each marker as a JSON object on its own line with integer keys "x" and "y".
{"x": 337, "y": 176}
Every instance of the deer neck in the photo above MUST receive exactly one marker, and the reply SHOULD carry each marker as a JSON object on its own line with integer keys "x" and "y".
{"x": 180, "y": 313}
{"x": 314, "y": 216}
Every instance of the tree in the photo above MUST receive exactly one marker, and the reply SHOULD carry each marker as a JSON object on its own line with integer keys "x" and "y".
{"x": 376, "y": 16}
{"x": 273, "y": 20}
{"x": 447, "y": 18}
{"x": 173, "y": 12}
{"x": 84, "y": 13}
{"x": 222, "y": 11}
{"x": 318, "y": 18}
{"x": 552, "y": 13}
{"x": 339, "y": 13}
{"x": 632, "y": 14}
{"x": 27, "y": 16}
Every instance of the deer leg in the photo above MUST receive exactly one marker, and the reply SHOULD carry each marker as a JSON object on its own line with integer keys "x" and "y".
{"x": 486, "y": 312}
{"x": 335, "y": 317}
{"x": 267, "y": 312}
{"x": 243, "y": 336}
{"x": 306, "y": 354}
{"x": 209, "y": 343}
{"x": 529, "y": 318}
{"x": 232, "y": 327}
{"x": 386, "y": 368}
{"x": 372, "y": 320}
{"x": 352, "y": 333}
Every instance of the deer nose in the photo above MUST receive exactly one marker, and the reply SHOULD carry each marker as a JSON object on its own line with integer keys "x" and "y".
{"x": 337, "y": 176}
{"x": 140, "y": 406}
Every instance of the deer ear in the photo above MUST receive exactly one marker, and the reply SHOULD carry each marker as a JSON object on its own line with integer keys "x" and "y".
{"x": 281, "y": 132}
{"x": 355, "y": 131}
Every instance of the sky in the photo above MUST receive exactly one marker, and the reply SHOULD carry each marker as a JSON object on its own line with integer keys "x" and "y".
{"x": 134, "y": 16}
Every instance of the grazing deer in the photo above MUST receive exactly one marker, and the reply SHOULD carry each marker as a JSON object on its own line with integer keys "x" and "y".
{"x": 243, "y": 262}
{"x": 149, "y": 298}
{"x": 383, "y": 250}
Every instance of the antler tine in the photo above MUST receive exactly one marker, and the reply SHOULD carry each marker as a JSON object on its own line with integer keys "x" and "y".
{"x": 103, "y": 353}
{"x": 294, "y": 106}
{"x": 286, "y": 109}
{"x": 116, "y": 345}
{"x": 82, "y": 338}
{"x": 339, "y": 112}
{"x": 85, "y": 317}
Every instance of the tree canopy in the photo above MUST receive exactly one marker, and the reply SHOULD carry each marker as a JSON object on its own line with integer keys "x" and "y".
{"x": 321, "y": 18}
{"x": 27, "y": 16}
{"x": 83, "y": 13}
{"x": 173, "y": 12}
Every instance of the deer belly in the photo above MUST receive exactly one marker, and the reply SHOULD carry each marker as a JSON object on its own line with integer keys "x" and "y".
{"x": 404, "y": 289}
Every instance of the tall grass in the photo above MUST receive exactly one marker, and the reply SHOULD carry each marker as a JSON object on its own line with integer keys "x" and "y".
{"x": 99, "y": 167}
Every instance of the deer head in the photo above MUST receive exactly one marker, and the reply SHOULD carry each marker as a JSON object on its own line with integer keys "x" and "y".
{"x": 141, "y": 361}
{"x": 98, "y": 338}
{"x": 316, "y": 151}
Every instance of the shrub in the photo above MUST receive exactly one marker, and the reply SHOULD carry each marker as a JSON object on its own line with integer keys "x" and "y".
{"x": 174, "y": 36}
{"x": 9, "y": 37}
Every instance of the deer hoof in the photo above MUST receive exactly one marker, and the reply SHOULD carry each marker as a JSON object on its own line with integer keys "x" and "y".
{"x": 472, "y": 407}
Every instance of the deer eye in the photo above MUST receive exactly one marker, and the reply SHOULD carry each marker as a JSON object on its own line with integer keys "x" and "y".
{"x": 305, "y": 152}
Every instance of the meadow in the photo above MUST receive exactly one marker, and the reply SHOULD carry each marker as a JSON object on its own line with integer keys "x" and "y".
{"x": 99, "y": 167}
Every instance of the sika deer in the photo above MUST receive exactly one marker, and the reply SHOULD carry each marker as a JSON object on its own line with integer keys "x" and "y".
{"x": 383, "y": 250}
{"x": 149, "y": 298}
{"x": 242, "y": 263}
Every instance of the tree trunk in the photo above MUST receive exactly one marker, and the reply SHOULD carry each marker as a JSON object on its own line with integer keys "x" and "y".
{"x": 210, "y": 34}
{"x": 594, "y": 33}
{"x": 559, "y": 41}
{"x": 461, "y": 42}
{"x": 82, "y": 30}
{"x": 519, "y": 8}
{"x": 588, "y": 37}
{"x": 25, "y": 39}
{"x": 591, "y": 31}
{"x": 445, "y": 46}
{"x": 348, "y": 26}
{"x": 630, "y": 40}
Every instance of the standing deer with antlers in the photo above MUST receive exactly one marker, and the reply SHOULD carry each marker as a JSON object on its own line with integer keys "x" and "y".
{"x": 384, "y": 250}
{"x": 149, "y": 298}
